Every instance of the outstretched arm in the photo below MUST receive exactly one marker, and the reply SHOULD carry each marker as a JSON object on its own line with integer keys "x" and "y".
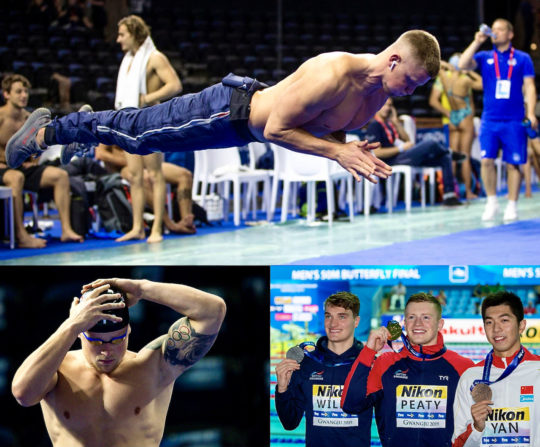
{"x": 189, "y": 338}
{"x": 37, "y": 376}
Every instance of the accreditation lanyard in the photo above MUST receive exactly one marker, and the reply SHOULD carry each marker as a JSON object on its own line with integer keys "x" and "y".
{"x": 502, "y": 88}
{"x": 509, "y": 369}
{"x": 391, "y": 133}
{"x": 317, "y": 356}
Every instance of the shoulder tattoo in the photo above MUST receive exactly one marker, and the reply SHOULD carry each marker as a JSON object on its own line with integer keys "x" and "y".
{"x": 184, "y": 346}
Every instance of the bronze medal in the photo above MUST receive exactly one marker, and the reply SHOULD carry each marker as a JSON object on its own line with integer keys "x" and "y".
{"x": 481, "y": 391}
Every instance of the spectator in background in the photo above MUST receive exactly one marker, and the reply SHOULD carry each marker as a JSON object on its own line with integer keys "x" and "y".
{"x": 508, "y": 80}
{"x": 452, "y": 96}
{"x": 533, "y": 162}
{"x": 73, "y": 15}
{"x": 98, "y": 16}
{"x": 42, "y": 12}
{"x": 115, "y": 161}
{"x": 530, "y": 309}
{"x": 441, "y": 297}
{"x": 34, "y": 176}
{"x": 397, "y": 296}
{"x": 396, "y": 149}
{"x": 145, "y": 78}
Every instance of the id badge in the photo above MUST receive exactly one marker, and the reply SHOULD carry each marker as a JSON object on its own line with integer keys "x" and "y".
{"x": 502, "y": 89}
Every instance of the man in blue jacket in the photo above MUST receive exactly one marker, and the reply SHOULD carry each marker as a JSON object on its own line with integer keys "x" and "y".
{"x": 313, "y": 387}
{"x": 412, "y": 390}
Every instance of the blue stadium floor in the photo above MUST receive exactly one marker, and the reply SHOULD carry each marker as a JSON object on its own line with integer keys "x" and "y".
{"x": 434, "y": 235}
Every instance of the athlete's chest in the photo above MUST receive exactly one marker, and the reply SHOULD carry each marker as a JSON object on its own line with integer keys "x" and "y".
{"x": 83, "y": 399}
{"x": 353, "y": 112}
{"x": 8, "y": 127}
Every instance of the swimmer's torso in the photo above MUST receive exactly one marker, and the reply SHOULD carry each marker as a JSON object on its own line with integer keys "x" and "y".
{"x": 355, "y": 108}
{"x": 153, "y": 82}
{"x": 459, "y": 84}
{"x": 8, "y": 126}
{"x": 124, "y": 408}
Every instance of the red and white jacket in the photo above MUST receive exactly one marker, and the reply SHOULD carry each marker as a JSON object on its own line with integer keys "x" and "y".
{"x": 515, "y": 420}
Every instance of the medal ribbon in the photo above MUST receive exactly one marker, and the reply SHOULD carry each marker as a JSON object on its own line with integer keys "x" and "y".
{"x": 319, "y": 358}
{"x": 509, "y": 369}
{"x": 414, "y": 352}
{"x": 391, "y": 133}
{"x": 510, "y": 65}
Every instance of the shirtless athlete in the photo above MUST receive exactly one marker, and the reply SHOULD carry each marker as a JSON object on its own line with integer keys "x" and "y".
{"x": 309, "y": 111}
{"x": 104, "y": 394}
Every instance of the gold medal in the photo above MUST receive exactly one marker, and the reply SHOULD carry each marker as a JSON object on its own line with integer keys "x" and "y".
{"x": 394, "y": 328}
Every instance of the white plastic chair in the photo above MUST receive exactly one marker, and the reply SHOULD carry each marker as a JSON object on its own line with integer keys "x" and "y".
{"x": 409, "y": 171}
{"x": 291, "y": 167}
{"x": 256, "y": 149}
{"x": 223, "y": 166}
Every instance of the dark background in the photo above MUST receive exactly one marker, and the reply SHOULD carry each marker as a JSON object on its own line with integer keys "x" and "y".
{"x": 224, "y": 402}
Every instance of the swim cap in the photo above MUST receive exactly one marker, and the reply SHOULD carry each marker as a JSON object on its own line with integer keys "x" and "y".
{"x": 107, "y": 325}
{"x": 454, "y": 60}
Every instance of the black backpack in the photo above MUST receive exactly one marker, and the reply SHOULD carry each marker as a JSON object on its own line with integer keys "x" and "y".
{"x": 112, "y": 200}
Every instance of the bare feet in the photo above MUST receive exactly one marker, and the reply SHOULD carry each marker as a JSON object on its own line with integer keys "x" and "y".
{"x": 185, "y": 226}
{"x": 154, "y": 237}
{"x": 471, "y": 196}
{"x": 71, "y": 236}
{"x": 132, "y": 234}
{"x": 528, "y": 193}
{"x": 28, "y": 241}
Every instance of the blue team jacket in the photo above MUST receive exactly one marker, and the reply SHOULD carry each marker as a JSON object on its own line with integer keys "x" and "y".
{"x": 315, "y": 391}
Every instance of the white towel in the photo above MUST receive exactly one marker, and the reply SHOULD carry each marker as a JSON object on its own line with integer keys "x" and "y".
{"x": 132, "y": 83}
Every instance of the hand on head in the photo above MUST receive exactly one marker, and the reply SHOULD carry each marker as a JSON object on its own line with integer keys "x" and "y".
{"x": 130, "y": 287}
{"x": 86, "y": 312}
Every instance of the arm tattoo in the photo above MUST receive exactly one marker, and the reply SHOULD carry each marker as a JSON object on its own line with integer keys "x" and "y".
{"x": 184, "y": 346}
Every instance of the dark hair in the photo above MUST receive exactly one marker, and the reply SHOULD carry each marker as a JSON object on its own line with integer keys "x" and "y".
{"x": 10, "y": 79}
{"x": 347, "y": 300}
{"x": 123, "y": 312}
{"x": 423, "y": 297}
{"x": 503, "y": 297}
{"x": 425, "y": 49}
{"x": 137, "y": 27}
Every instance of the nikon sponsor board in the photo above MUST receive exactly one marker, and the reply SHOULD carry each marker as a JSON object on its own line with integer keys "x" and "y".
{"x": 421, "y": 406}
{"x": 508, "y": 427}
{"x": 326, "y": 409}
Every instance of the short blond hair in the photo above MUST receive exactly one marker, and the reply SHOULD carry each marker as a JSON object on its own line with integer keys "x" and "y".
{"x": 425, "y": 48}
{"x": 508, "y": 24}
